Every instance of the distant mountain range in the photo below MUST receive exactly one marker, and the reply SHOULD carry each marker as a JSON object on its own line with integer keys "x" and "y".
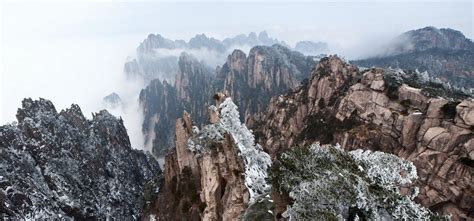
{"x": 183, "y": 77}
{"x": 444, "y": 53}
{"x": 157, "y": 56}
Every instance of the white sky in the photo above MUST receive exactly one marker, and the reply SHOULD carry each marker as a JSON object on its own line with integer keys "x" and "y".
{"x": 73, "y": 52}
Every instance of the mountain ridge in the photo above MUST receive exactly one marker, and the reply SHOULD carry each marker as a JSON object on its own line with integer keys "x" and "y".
{"x": 377, "y": 110}
{"x": 60, "y": 165}
{"x": 444, "y": 53}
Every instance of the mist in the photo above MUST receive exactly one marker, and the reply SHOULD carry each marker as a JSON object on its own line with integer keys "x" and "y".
{"x": 75, "y": 52}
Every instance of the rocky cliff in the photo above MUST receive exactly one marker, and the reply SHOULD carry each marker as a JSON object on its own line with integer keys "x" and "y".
{"x": 444, "y": 53}
{"x": 385, "y": 110}
{"x": 194, "y": 87}
{"x": 249, "y": 80}
{"x": 215, "y": 172}
{"x": 160, "y": 108}
{"x": 218, "y": 172}
{"x": 163, "y": 103}
{"x": 267, "y": 71}
{"x": 56, "y": 165}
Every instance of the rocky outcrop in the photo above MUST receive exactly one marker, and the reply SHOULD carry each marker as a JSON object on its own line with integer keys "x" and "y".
{"x": 206, "y": 177}
{"x": 287, "y": 118}
{"x": 55, "y": 165}
{"x": 368, "y": 110}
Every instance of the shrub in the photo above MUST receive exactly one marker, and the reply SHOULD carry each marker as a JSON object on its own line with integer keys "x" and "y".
{"x": 328, "y": 183}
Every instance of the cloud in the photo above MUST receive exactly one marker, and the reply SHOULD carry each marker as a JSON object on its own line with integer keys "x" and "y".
{"x": 70, "y": 70}
{"x": 130, "y": 110}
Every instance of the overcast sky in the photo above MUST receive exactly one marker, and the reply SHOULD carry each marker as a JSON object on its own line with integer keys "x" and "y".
{"x": 74, "y": 52}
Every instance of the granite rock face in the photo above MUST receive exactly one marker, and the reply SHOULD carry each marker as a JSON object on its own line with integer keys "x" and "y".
{"x": 267, "y": 71}
{"x": 249, "y": 80}
{"x": 367, "y": 110}
{"x": 55, "y": 165}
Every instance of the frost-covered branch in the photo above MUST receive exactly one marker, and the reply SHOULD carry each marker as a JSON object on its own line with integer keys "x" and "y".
{"x": 328, "y": 183}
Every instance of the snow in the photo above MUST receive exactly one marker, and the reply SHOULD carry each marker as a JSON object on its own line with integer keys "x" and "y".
{"x": 256, "y": 161}
{"x": 59, "y": 164}
{"x": 385, "y": 169}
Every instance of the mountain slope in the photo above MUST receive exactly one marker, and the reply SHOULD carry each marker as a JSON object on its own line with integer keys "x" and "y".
{"x": 267, "y": 71}
{"x": 218, "y": 172}
{"x": 249, "y": 80}
{"x": 55, "y": 165}
{"x": 382, "y": 110}
{"x": 443, "y": 53}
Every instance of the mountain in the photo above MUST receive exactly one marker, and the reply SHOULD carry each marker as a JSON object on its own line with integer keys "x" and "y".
{"x": 157, "y": 56}
{"x": 218, "y": 172}
{"x": 160, "y": 108}
{"x": 205, "y": 176}
{"x": 163, "y": 103}
{"x": 251, "y": 40}
{"x": 428, "y": 38}
{"x": 59, "y": 165}
{"x": 250, "y": 80}
{"x": 386, "y": 110}
{"x": 112, "y": 100}
{"x": 267, "y": 71}
{"x": 444, "y": 53}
